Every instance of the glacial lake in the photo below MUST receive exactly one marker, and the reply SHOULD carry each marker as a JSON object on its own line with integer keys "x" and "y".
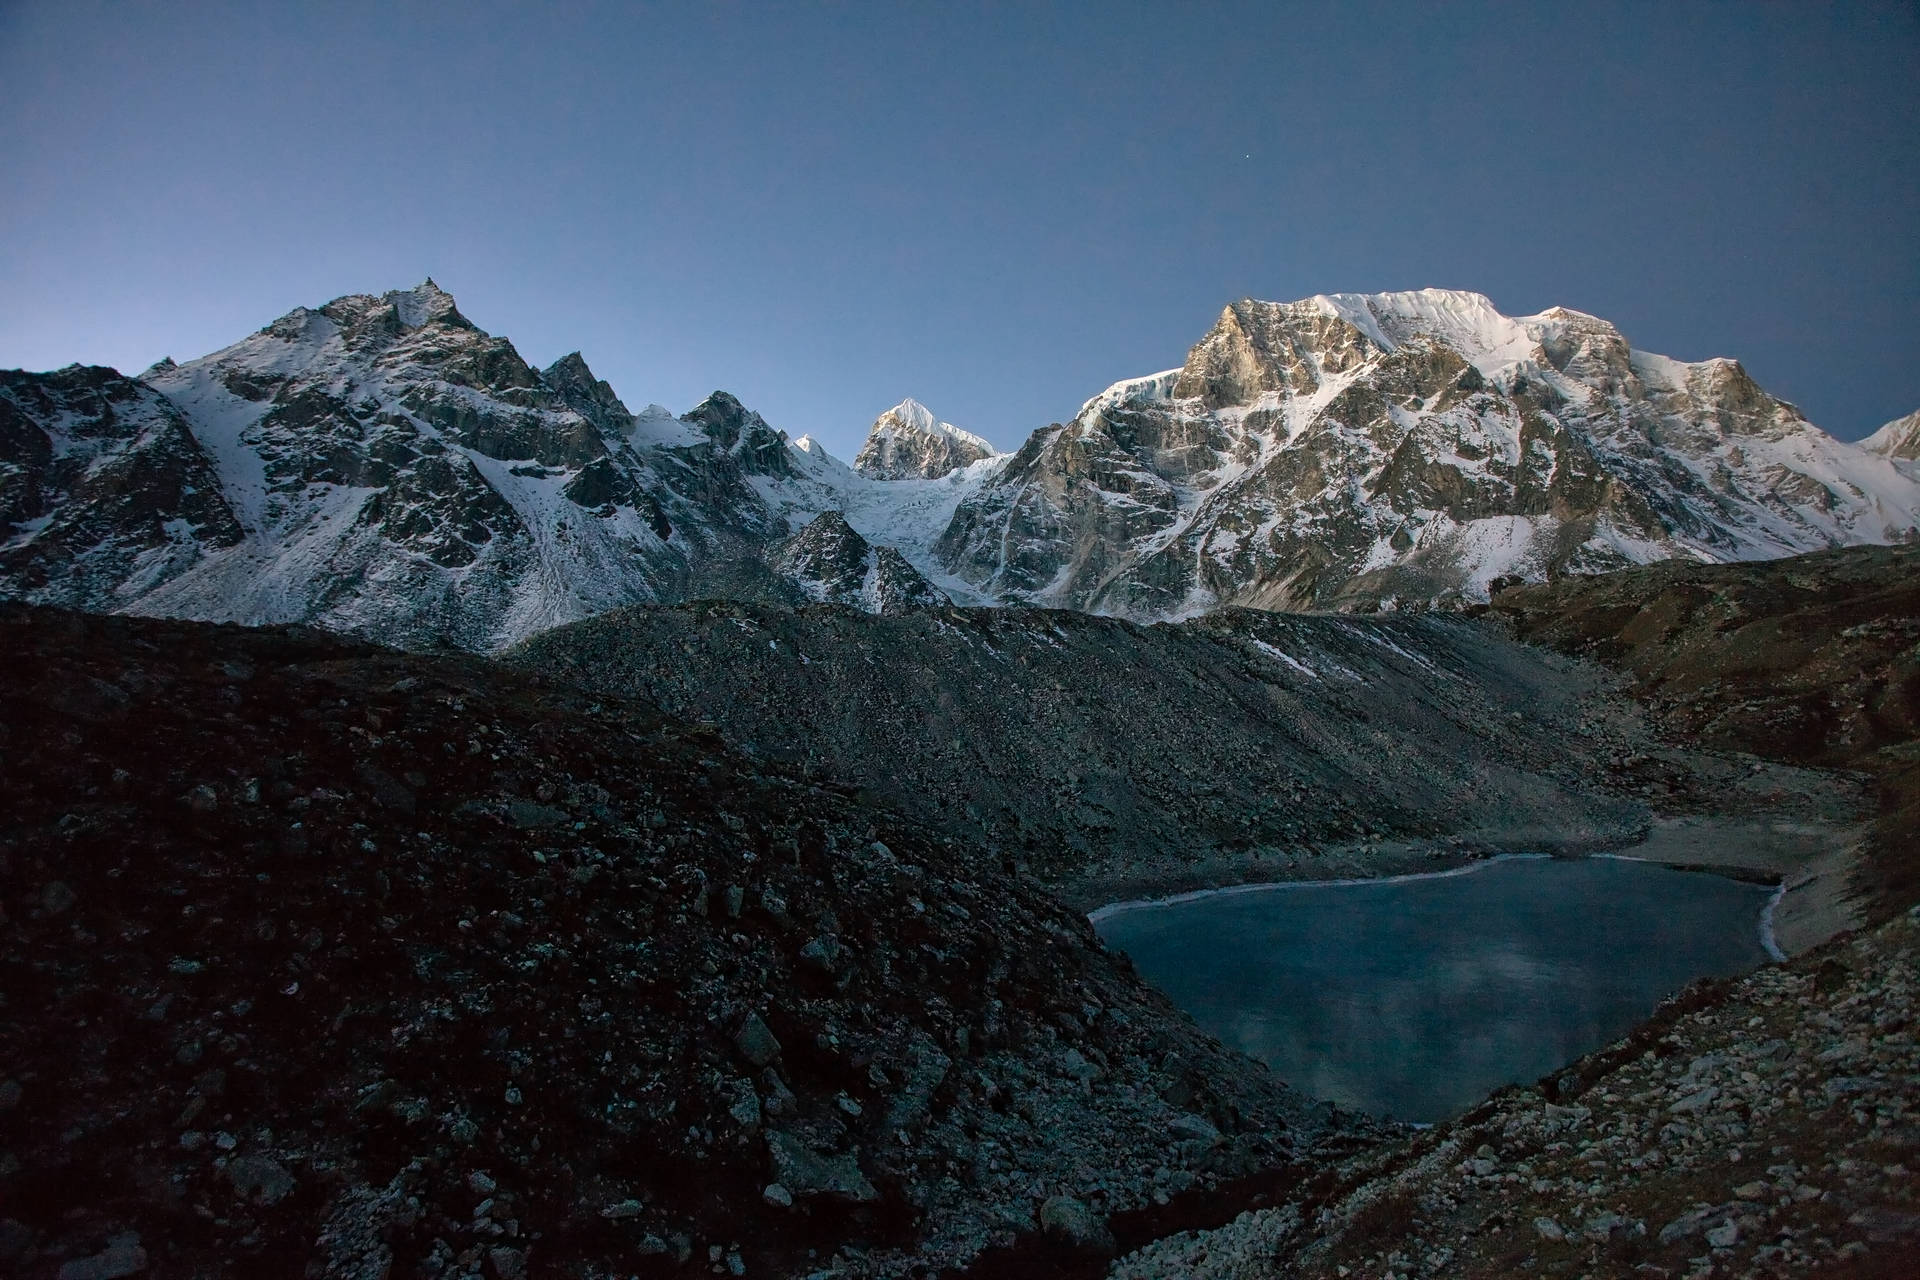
{"x": 1415, "y": 997}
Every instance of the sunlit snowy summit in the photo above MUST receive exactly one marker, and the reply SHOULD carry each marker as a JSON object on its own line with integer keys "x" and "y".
{"x": 382, "y": 466}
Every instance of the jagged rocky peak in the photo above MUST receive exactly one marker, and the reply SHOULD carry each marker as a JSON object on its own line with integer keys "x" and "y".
{"x": 1898, "y": 439}
{"x": 387, "y": 315}
{"x": 1257, "y": 347}
{"x": 424, "y": 304}
{"x": 590, "y": 397}
{"x": 828, "y": 561}
{"x": 743, "y": 433}
{"x": 907, "y": 441}
{"x": 814, "y": 449}
{"x": 1293, "y": 348}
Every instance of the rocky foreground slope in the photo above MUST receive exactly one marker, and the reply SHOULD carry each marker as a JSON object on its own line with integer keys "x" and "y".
{"x": 330, "y": 960}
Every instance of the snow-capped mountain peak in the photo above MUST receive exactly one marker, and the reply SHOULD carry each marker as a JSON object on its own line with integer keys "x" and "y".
{"x": 423, "y": 304}
{"x": 1897, "y": 439}
{"x": 383, "y": 466}
{"x": 908, "y": 440}
{"x": 1359, "y": 450}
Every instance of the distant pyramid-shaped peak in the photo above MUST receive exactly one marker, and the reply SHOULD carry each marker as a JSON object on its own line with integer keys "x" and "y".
{"x": 908, "y": 441}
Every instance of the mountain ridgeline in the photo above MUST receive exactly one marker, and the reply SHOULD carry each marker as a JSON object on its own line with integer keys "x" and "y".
{"x": 381, "y": 466}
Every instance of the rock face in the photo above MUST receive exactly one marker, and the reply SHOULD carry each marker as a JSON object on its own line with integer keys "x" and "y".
{"x": 103, "y": 488}
{"x": 380, "y": 466}
{"x": 908, "y": 441}
{"x": 829, "y": 563}
{"x": 1898, "y": 439}
{"x": 1408, "y": 448}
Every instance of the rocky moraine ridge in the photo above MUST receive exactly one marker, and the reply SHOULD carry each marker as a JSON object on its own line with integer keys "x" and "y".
{"x": 381, "y": 466}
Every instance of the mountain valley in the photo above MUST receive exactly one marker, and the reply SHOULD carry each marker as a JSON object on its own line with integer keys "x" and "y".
{"x": 457, "y": 825}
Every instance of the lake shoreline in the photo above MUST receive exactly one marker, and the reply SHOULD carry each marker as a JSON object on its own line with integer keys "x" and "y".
{"x": 1810, "y": 865}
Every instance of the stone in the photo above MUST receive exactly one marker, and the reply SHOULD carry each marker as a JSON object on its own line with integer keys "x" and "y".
{"x": 1602, "y": 1227}
{"x": 388, "y": 792}
{"x": 260, "y": 1179}
{"x": 1695, "y": 1102}
{"x": 1693, "y": 1223}
{"x": 825, "y": 954}
{"x": 525, "y": 814}
{"x": 1070, "y": 1223}
{"x": 1886, "y": 1225}
{"x": 506, "y": 1264}
{"x": 57, "y": 898}
{"x": 1724, "y": 1236}
{"x": 1548, "y": 1229}
{"x": 755, "y": 1041}
{"x": 1076, "y": 1065}
{"x": 1194, "y": 1127}
{"x": 746, "y": 1109}
{"x": 926, "y": 1070}
{"x": 9, "y": 1094}
{"x": 780, "y": 1100}
{"x": 776, "y": 910}
{"x": 122, "y": 1258}
{"x": 777, "y": 1196}
{"x": 807, "y": 1173}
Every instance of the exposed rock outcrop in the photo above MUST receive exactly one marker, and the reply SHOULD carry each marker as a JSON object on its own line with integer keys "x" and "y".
{"x": 831, "y": 564}
{"x": 382, "y": 466}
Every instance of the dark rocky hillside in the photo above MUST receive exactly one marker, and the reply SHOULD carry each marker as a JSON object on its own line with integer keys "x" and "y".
{"x": 324, "y": 959}
{"x": 1813, "y": 660}
{"x": 1100, "y": 753}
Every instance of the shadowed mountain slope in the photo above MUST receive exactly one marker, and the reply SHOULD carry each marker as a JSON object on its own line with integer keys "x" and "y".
{"x": 333, "y": 959}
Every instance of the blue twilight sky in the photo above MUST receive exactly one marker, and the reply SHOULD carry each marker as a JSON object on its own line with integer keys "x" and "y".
{"x": 996, "y": 209}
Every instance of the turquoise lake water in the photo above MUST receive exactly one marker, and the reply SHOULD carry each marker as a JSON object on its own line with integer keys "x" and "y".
{"x": 1416, "y": 997}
